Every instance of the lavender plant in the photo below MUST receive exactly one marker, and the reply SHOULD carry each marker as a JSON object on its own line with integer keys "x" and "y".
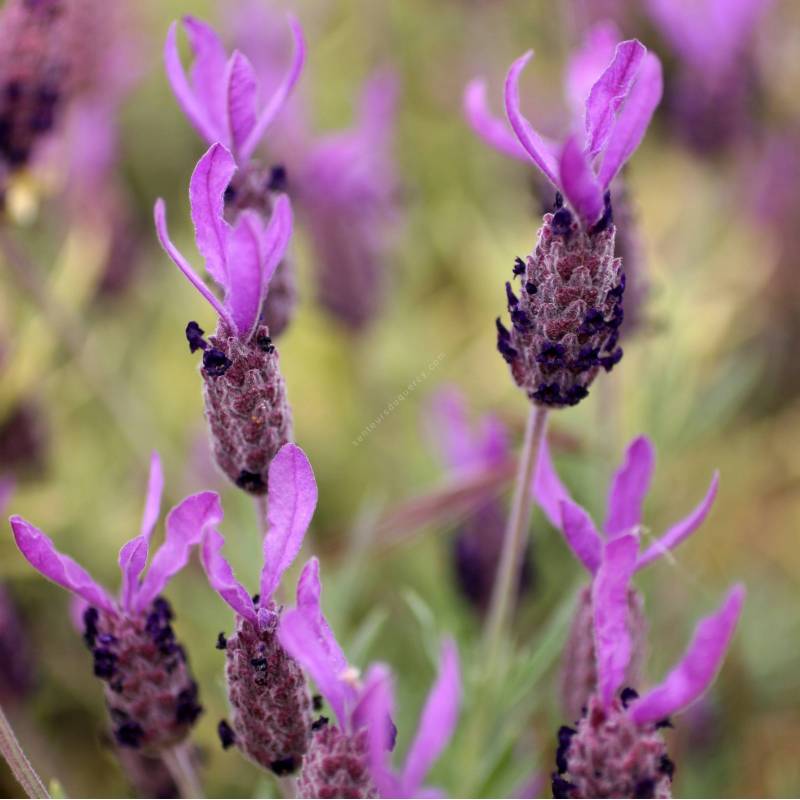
{"x": 616, "y": 749}
{"x": 247, "y": 411}
{"x": 150, "y": 693}
{"x": 267, "y": 691}
{"x": 350, "y": 759}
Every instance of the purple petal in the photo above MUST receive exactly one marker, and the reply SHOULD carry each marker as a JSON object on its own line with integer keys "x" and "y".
{"x": 292, "y": 499}
{"x": 437, "y": 723}
{"x": 207, "y": 188}
{"x": 581, "y": 535}
{"x": 281, "y": 94}
{"x": 493, "y": 130}
{"x": 633, "y": 120}
{"x": 681, "y": 530}
{"x": 244, "y": 257}
{"x": 208, "y": 73}
{"x": 242, "y": 95}
{"x": 183, "y": 265}
{"x": 697, "y": 669}
{"x": 493, "y": 445}
{"x": 155, "y": 488}
{"x": 629, "y": 487}
{"x": 276, "y": 239}
{"x": 609, "y": 92}
{"x": 6, "y": 490}
{"x": 537, "y": 147}
{"x": 588, "y": 62}
{"x": 547, "y": 487}
{"x": 132, "y": 559}
{"x": 43, "y": 556}
{"x": 186, "y": 524}
{"x": 309, "y": 590}
{"x": 612, "y": 638}
{"x": 221, "y": 577}
{"x": 578, "y": 181}
{"x": 184, "y": 94}
{"x": 301, "y": 641}
{"x": 448, "y": 427}
{"x": 377, "y": 107}
{"x": 375, "y": 711}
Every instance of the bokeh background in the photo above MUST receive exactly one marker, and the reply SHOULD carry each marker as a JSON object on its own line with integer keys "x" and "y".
{"x": 710, "y": 373}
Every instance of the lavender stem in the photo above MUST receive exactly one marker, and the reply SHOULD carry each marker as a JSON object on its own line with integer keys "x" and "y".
{"x": 18, "y": 761}
{"x": 505, "y": 583}
{"x": 179, "y": 764}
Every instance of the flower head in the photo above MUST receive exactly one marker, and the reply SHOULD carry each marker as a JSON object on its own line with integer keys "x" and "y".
{"x": 615, "y": 90}
{"x": 350, "y": 757}
{"x": 221, "y": 97}
{"x": 616, "y": 750}
{"x": 347, "y": 190}
{"x": 149, "y": 690}
{"x": 244, "y": 392}
{"x": 270, "y": 703}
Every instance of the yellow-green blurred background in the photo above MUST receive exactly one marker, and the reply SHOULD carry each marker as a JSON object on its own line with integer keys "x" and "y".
{"x": 707, "y": 377}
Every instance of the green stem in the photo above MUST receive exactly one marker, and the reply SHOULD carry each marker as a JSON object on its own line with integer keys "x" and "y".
{"x": 179, "y": 763}
{"x": 18, "y": 761}
{"x": 505, "y": 586}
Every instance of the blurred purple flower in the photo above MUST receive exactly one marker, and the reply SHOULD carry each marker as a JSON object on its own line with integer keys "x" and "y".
{"x": 348, "y": 192}
{"x": 616, "y": 749}
{"x": 270, "y": 703}
{"x": 626, "y": 497}
{"x": 466, "y": 450}
{"x": 244, "y": 392}
{"x": 221, "y": 98}
{"x": 713, "y": 90}
{"x": 149, "y": 690}
{"x": 365, "y": 732}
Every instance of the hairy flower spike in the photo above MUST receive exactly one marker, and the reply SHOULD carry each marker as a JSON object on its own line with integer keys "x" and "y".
{"x": 150, "y": 693}
{"x": 270, "y": 703}
{"x": 566, "y": 331}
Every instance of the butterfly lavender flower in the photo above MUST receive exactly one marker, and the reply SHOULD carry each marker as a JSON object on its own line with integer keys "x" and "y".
{"x": 349, "y": 757}
{"x": 223, "y": 100}
{"x": 717, "y": 79}
{"x": 616, "y": 749}
{"x": 270, "y": 703}
{"x": 245, "y": 396}
{"x": 151, "y": 695}
{"x": 566, "y": 319}
{"x": 468, "y": 450}
{"x": 628, "y": 490}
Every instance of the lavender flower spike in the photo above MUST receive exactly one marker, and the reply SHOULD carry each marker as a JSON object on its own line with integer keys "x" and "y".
{"x": 435, "y": 729}
{"x": 616, "y": 749}
{"x": 565, "y": 321}
{"x": 244, "y": 392}
{"x": 149, "y": 689}
{"x": 221, "y": 96}
{"x": 466, "y": 450}
{"x": 270, "y": 703}
{"x": 626, "y": 497}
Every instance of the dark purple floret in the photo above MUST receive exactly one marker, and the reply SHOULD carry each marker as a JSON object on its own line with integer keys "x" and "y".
{"x": 316, "y": 702}
{"x": 627, "y": 695}
{"x": 519, "y": 266}
{"x": 90, "y": 617}
{"x": 104, "y": 662}
{"x": 561, "y": 788}
{"x": 221, "y": 641}
{"x": 530, "y": 287}
{"x": 194, "y": 335}
{"x": 606, "y": 219}
{"x": 250, "y": 482}
{"x": 562, "y": 222}
{"x": 278, "y": 179}
{"x": 565, "y": 735}
{"x": 513, "y": 300}
{"x": 226, "y": 735}
{"x": 129, "y": 734}
{"x": 215, "y": 362}
{"x": 320, "y": 722}
{"x": 283, "y": 766}
{"x": 667, "y": 766}
{"x": 187, "y": 709}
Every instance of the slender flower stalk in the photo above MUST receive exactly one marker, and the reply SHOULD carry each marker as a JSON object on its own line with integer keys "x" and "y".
{"x": 498, "y": 620}
{"x": 18, "y": 762}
